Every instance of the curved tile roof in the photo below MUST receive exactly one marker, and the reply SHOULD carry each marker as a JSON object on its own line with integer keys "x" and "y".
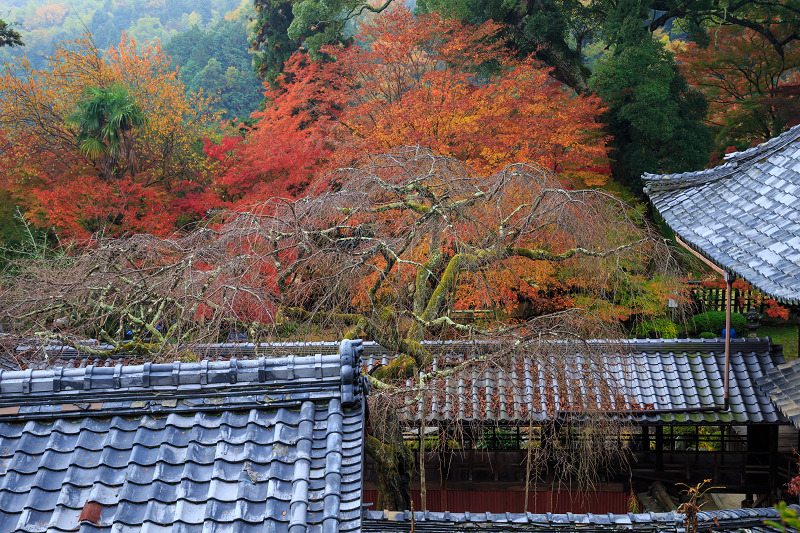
{"x": 262, "y": 445}
{"x": 782, "y": 386}
{"x": 731, "y": 520}
{"x": 743, "y": 215}
{"x": 648, "y": 381}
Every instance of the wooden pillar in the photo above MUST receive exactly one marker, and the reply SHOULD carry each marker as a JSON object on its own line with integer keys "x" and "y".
{"x": 444, "y": 470}
{"x": 773, "y": 462}
{"x": 726, "y": 385}
{"x": 659, "y": 448}
{"x": 471, "y": 461}
{"x": 423, "y": 489}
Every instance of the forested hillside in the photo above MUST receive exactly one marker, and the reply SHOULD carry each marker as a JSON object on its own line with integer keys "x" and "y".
{"x": 206, "y": 38}
{"x": 43, "y": 23}
{"x": 216, "y": 61}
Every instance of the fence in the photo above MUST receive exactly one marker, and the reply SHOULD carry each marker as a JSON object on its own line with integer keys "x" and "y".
{"x": 712, "y": 299}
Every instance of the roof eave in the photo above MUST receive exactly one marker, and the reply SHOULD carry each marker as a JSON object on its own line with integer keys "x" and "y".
{"x": 694, "y": 246}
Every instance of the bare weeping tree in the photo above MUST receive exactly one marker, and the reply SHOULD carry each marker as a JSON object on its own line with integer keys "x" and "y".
{"x": 394, "y": 249}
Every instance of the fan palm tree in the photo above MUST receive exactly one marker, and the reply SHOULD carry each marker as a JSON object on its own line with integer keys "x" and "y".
{"x": 105, "y": 120}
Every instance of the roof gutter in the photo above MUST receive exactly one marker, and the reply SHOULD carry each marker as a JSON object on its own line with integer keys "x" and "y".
{"x": 728, "y": 289}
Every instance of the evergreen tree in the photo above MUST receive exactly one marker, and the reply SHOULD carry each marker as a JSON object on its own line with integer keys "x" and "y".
{"x": 655, "y": 118}
{"x": 270, "y": 41}
{"x": 8, "y": 36}
{"x": 211, "y": 77}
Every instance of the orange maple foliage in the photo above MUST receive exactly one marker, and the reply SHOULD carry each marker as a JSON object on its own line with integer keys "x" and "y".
{"x": 753, "y": 92}
{"x": 508, "y": 282}
{"x": 428, "y": 81}
{"x": 455, "y": 89}
{"x": 58, "y": 184}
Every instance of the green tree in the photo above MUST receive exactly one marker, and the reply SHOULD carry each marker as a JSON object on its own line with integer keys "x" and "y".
{"x": 211, "y": 77}
{"x": 8, "y": 36}
{"x": 655, "y": 118}
{"x": 269, "y": 41}
{"x": 284, "y": 26}
{"x": 555, "y": 30}
{"x": 105, "y": 122}
{"x": 149, "y": 29}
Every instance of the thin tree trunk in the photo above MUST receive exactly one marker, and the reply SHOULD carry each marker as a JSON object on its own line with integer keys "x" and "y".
{"x": 423, "y": 490}
{"x": 528, "y": 466}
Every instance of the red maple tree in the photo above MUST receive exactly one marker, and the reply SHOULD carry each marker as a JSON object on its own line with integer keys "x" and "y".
{"x": 427, "y": 81}
{"x": 753, "y": 91}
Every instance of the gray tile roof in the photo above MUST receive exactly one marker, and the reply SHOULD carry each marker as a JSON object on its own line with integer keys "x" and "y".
{"x": 743, "y": 215}
{"x": 258, "y": 445}
{"x": 782, "y": 386}
{"x": 732, "y": 520}
{"x": 659, "y": 375}
{"x": 661, "y": 382}
{"x": 55, "y": 354}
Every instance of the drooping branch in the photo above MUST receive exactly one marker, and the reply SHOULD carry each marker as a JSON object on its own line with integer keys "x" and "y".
{"x": 342, "y": 263}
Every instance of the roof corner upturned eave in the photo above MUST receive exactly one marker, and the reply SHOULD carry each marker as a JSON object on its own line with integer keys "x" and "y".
{"x": 743, "y": 216}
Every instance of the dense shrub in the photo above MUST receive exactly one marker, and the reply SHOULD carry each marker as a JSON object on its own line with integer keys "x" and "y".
{"x": 663, "y": 327}
{"x": 707, "y": 335}
{"x": 714, "y": 321}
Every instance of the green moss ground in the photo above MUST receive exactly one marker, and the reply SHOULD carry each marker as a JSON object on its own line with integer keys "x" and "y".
{"x": 786, "y": 335}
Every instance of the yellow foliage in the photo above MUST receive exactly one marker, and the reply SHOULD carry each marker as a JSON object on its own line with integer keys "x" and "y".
{"x": 45, "y": 166}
